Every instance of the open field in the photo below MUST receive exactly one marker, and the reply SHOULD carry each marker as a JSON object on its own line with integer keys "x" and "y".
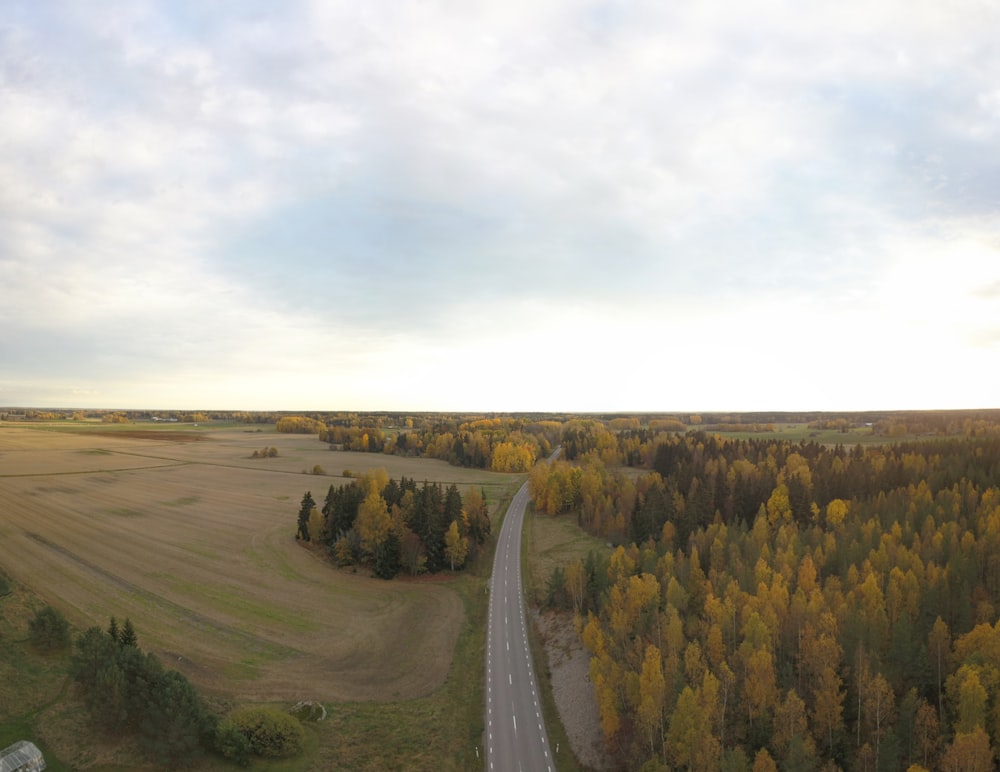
{"x": 194, "y": 542}
{"x": 802, "y": 432}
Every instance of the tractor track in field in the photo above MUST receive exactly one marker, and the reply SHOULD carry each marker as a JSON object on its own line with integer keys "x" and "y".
{"x": 252, "y": 642}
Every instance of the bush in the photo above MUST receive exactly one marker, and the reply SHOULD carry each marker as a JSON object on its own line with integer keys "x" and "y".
{"x": 233, "y": 744}
{"x": 269, "y": 732}
{"x": 49, "y": 630}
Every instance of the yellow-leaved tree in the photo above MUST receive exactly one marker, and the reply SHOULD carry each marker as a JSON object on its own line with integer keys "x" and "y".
{"x": 456, "y": 546}
{"x": 373, "y": 523}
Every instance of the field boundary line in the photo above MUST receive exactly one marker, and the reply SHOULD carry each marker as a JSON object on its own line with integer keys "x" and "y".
{"x": 98, "y": 471}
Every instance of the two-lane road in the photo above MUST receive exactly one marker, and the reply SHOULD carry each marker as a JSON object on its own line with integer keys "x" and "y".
{"x": 515, "y": 731}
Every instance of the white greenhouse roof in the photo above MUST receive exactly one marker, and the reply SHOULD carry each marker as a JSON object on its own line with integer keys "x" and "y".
{"x": 21, "y": 755}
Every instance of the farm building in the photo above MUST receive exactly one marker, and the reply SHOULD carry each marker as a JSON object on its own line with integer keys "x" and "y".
{"x": 22, "y": 756}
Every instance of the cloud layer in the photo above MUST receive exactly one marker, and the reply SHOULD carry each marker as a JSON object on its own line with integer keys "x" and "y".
{"x": 500, "y": 206}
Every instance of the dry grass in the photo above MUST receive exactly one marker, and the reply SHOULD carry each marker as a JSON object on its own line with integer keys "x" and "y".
{"x": 194, "y": 542}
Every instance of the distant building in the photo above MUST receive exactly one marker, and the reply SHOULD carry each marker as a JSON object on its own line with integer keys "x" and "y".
{"x": 22, "y": 756}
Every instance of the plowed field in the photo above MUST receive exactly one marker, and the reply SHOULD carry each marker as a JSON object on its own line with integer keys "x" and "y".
{"x": 194, "y": 541}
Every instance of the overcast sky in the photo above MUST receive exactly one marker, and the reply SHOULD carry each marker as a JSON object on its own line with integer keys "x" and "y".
{"x": 581, "y": 206}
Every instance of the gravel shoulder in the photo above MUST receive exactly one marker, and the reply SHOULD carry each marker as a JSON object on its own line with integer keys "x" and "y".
{"x": 569, "y": 665}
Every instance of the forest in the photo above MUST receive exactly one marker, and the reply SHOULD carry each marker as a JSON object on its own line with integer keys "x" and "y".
{"x": 392, "y": 526}
{"x": 786, "y": 605}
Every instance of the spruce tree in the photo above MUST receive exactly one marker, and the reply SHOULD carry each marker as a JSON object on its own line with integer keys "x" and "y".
{"x": 127, "y": 636}
{"x": 304, "y": 512}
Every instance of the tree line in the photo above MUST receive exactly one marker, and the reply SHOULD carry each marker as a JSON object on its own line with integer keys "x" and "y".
{"x": 392, "y": 526}
{"x": 794, "y": 606}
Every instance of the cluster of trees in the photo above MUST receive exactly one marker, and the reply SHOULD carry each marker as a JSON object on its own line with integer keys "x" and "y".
{"x": 297, "y": 424}
{"x": 396, "y": 526}
{"x": 502, "y": 444}
{"x": 265, "y": 452}
{"x": 791, "y": 605}
{"x": 129, "y": 692}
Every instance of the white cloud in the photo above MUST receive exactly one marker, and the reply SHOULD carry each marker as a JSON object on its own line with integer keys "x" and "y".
{"x": 250, "y": 196}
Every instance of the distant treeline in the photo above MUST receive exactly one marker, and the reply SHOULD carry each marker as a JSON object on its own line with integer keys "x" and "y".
{"x": 882, "y": 422}
{"x": 394, "y": 526}
{"x": 501, "y": 444}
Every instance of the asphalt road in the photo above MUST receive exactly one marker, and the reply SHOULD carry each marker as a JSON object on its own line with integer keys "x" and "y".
{"x": 515, "y": 731}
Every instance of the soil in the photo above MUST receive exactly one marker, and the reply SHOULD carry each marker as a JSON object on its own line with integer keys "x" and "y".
{"x": 151, "y": 434}
{"x": 569, "y": 665}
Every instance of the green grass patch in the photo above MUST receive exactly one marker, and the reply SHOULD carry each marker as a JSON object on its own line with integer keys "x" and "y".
{"x": 247, "y": 669}
{"x": 124, "y": 512}
{"x": 182, "y": 502}
{"x": 861, "y": 435}
{"x": 234, "y": 602}
{"x": 29, "y": 682}
{"x": 272, "y": 559}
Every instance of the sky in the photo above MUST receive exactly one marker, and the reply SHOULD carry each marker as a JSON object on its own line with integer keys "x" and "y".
{"x": 500, "y": 206}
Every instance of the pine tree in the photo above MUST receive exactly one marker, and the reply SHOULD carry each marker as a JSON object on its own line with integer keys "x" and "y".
{"x": 113, "y": 630}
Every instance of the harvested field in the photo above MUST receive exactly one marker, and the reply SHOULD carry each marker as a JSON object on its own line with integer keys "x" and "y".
{"x": 194, "y": 542}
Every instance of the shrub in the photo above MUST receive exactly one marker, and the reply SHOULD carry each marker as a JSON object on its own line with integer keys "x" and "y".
{"x": 49, "y": 630}
{"x": 269, "y": 732}
{"x": 233, "y": 744}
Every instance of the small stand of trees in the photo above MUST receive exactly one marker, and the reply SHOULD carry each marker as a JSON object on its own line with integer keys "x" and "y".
{"x": 395, "y": 526}
{"x": 129, "y": 692}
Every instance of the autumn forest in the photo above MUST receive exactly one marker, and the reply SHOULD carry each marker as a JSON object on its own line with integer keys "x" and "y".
{"x": 786, "y": 605}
